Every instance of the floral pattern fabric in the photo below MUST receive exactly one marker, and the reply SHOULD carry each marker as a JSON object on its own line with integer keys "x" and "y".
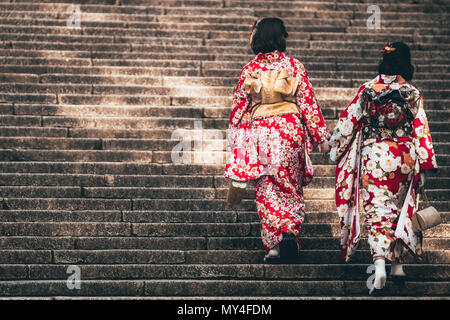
{"x": 383, "y": 157}
{"x": 273, "y": 150}
{"x": 387, "y": 167}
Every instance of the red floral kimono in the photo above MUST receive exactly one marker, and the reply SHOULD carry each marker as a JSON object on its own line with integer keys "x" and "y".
{"x": 381, "y": 143}
{"x": 273, "y": 150}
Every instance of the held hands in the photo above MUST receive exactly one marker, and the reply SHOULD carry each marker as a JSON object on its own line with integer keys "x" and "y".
{"x": 324, "y": 147}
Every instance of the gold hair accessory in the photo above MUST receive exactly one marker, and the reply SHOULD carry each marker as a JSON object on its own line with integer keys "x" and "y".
{"x": 387, "y": 48}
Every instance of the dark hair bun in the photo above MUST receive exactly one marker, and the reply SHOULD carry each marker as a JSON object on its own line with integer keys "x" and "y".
{"x": 270, "y": 35}
{"x": 397, "y": 62}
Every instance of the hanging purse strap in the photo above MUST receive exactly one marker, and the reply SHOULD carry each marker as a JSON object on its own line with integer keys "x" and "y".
{"x": 424, "y": 195}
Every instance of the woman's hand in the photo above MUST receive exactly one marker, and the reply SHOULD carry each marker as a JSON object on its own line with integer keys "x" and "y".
{"x": 422, "y": 179}
{"x": 324, "y": 147}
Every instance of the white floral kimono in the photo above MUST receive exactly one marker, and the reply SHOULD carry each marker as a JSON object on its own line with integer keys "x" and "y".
{"x": 381, "y": 143}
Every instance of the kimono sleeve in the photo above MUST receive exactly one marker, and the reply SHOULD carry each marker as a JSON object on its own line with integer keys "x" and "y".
{"x": 422, "y": 139}
{"x": 309, "y": 109}
{"x": 239, "y": 110}
{"x": 241, "y": 100}
{"x": 346, "y": 127}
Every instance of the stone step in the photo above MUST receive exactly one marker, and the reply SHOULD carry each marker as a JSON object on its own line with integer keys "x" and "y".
{"x": 180, "y": 99}
{"x": 272, "y": 272}
{"x": 154, "y": 157}
{"x": 323, "y": 175}
{"x": 73, "y": 73}
{"x": 52, "y": 143}
{"x": 217, "y": 3}
{"x": 359, "y": 11}
{"x": 146, "y": 192}
{"x": 116, "y": 122}
{"x": 157, "y": 3}
{"x": 42, "y": 21}
{"x": 105, "y": 168}
{"x": 180, "y": 37}
{"x": 321, "y": 164}
{"x": 98, "y": 89}
{"x": 152, "y": 216}
{"x": 107, "y": 179}
{"x": 318, "y": 56}
{"x": 91, "y": 133}
{"x": 307, "y": 243}
{"x": 200, "y": 28}
{"x": 158, "y": 145}
{"x": 195, "y": 157}
{"x": 166, "y": 229}
{"x": 61, "y": 7}
{"x": 108, "y": 167}
{"x": 326, "y": 191}
{"x": 78, "y": 70}
{"x": 108, "y": 193}
{"x": 406, "y": 27}
{"x": 211, "y": 288}
{"x": 180, "y": 243}
{"x": 182, "y": 124}
{"x": 140, "y": 186}
{"x": 290, "y": 17}
{"x": 330, "y": 110}
{"x": 136, "y": 134}
{"x": 198, "y": 38}
{"x": 325, "y": 10}
{"x": 105, "y": 110}
{"x": 130, "y": 256}
{"x": 428, "y": 49}
{"x": 101, "y": 70}
{"x": 372, "y": 43}
{"x": 274, "y": 6}
{"x": 376, "y": 37}
{"x": 102, "y": 40}
{"x": 33, "y": 131}
{"x": 198, "y": 85}
{"x": 126, "y": 11}
{"x": 13, "y": 120}
{"x": 67, "y": 204}
{"x": 103, "y": 144}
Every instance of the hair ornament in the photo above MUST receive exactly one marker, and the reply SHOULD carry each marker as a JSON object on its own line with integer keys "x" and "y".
{"x": 255, "y": 23}
{"x": 387, "y": 48}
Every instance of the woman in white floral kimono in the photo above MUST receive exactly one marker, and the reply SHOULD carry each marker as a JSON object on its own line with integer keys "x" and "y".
{"x": 383, "y": 145}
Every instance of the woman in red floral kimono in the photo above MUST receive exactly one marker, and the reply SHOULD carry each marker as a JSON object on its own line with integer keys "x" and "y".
{"x": 383, "y": 146}
{"x": 273, "y": 119}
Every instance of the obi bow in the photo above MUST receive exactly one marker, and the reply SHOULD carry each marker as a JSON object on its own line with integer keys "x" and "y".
{"x": 272, "y": 85}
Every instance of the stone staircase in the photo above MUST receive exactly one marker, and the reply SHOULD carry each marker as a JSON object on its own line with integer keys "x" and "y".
{"x": 89, "y": 118}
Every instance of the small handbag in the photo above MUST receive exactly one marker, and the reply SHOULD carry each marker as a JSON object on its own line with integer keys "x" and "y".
{"x": 426, "y": 218}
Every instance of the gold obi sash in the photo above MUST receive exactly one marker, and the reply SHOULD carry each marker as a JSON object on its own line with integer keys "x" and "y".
{"x": 273, "y": 92}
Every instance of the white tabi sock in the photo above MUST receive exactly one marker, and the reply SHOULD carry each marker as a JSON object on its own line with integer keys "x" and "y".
{"x": 380, "y": 273}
